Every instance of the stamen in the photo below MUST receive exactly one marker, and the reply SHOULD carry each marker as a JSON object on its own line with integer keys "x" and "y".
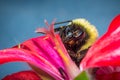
{"x": 19, "y": 46}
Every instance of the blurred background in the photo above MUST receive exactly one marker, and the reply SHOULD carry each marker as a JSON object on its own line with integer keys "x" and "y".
{"x": 20, "y": 18}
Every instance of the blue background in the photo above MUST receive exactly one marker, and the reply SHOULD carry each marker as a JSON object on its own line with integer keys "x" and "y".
{"x": 20, "y": 18}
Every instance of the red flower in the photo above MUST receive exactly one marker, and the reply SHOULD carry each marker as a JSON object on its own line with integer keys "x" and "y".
{"x": 105, "y": 54}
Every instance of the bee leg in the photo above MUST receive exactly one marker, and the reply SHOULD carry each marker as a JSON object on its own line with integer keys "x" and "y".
{"x": 58, "y": 28}
{"x": 79, "y": 58}
{"x": 75, "y": 57}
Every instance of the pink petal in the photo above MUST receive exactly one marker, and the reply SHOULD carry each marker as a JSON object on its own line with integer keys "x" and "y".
{"x": 9, "y": 55}
{"x": 44, "y": 46}
{"x": 33, "y": 52}
{"x": 106, "y": 51}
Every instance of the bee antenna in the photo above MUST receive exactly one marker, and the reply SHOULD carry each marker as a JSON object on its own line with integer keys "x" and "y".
{"x": 63, "y": 22}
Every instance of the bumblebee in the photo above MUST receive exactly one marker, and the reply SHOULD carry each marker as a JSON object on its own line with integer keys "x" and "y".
{"x": 77, "y": 37}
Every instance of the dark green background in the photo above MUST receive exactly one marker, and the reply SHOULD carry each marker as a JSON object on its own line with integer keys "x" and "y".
{"x": 20, "y": 18}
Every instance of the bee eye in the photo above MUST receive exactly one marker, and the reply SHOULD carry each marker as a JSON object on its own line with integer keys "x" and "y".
{"x": 69, "y": 34}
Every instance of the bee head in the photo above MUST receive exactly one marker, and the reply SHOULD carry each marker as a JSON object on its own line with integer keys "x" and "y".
{"x": 73, "y": 35}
